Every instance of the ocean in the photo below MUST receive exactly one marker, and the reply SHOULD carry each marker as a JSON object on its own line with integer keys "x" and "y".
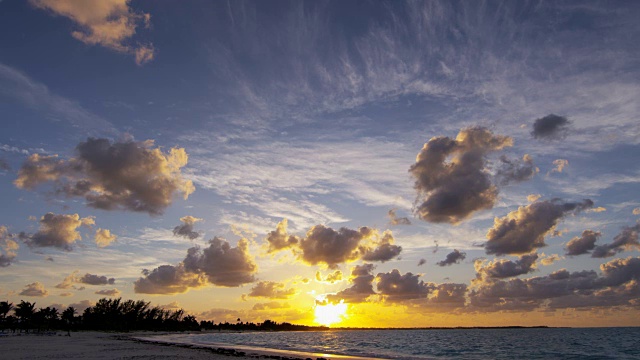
{"x": 520, "y": 343}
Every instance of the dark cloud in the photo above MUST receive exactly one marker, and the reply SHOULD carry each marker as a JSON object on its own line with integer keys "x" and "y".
{"x": 552, "y": 127}
{"x": 58, "y": 231}
{"x": 108, "y": 292}
{"x": 618, "y": 285}
{"x": 447, "y": 296}
{"x": 91, "y": 279}
{"x": 168, "y": 279}
{"x": 125, "y": 175}
{"x": 523, "y": 230}
{"x": 626, "y": 240}
{"x": 4, "y": 165}
{"x": 453, "y": 190}
{"x": 218, "y": 264}
{"x": 222, "y": 264}
{"x": 422, "y": 262}
{"x": 35, "y": 289}
{"x": 396, "y": 288}
{"x": 362, "y": 280}
{"x": 510, "y": 171}
{"x": 384, "y": 250}
{"x": 279, "y": 239}
{"x": 8, "y": 247}
{"x": 582, "y": 244}
{"x": 395, "y": 220}
{"x": 453, "y": 257}
{"x": 185, "y": 229}
{"x": 326, "y": 245}
{"x": 502, "y": 269}
{"x": 330, "y": 278}
{"x": 272, "y": 290}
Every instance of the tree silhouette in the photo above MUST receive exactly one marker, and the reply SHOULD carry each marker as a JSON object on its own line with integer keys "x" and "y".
{"x": 5, "y": 307}
{"x": 24, "y": 311}
{"x": 69, "y": 317}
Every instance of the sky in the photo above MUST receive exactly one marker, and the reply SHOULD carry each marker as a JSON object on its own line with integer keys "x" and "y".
{"x": 350, "y": 163}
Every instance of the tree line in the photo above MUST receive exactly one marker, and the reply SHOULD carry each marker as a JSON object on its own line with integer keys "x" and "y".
{"x": 118, "y": 315}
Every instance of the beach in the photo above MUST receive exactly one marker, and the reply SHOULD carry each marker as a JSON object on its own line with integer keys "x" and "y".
{"x": 139, "y": 346}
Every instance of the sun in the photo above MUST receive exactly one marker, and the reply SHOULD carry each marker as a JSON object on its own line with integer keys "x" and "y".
{"x": 328, "y": 314}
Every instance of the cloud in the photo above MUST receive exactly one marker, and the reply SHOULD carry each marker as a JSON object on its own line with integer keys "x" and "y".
{"x": 87, "y": 279}
{"x": 104, "y": 237}
{"x": 454, "y": 257}
{"x": 59, "y": 231}
{"x": 533, "y": 197}
{"x": 222, "y": 264}
{"x": 636, "y": 211}
{"x": 272, "y": 290}
{"x": 396, "y": 287}
{"x": 82, "y": 305}
{"x": 4, "y": 165}
{"x": 185, "y": 229}
{"x": 501, "y": 269}
{"x": 278, "y": 239}
{"x": 125, "y": 175}
{"x": 108, "y": 292}
{"x": 8, "y": 247}
{"x": 35, "y": 289}
{"x": 218, "y": 264}
{"x": 422, "y": 262}
{"x": 362, "y": 285}
{"x": 582, "y": 244}
{"x": 626, "y": 240}
{"x": 384, "y": 250}
{"x": 511, "y": 171}
{"x": 523, "y": 230}
{"x": 454, "y": 190}
{"x": 109, "y": 23}
{"x": 68, "y": 281}
{"x": 598, "y": 209}
{"x": 395, "y": 220}
{"x": 551, "y": 127}
{"x": 272, "y": 305}
{"x": 91, "y": 279}
{"x": 16, "y": 85}
{"x": 617, "y": 286}
{"x": 560, "y": 164}
{"x": 326, "y": 245}
{"x": 331, "y": 278}
{"x": 550, "y": 259}
{"x": 167, "y": 280}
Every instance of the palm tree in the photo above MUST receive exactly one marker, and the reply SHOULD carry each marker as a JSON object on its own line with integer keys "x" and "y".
{"x": 5, "y": 307}
{"x": 24, "y": 311}
{"x": 68, "y": 316}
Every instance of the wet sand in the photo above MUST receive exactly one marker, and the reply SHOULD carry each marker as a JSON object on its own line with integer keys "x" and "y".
{"x": 139, "y": 346}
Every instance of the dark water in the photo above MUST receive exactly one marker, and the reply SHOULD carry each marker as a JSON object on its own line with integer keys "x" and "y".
{"x": 583, "y": 343}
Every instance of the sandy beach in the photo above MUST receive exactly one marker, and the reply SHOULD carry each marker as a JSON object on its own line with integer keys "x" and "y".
{"x": 99, "y": 345}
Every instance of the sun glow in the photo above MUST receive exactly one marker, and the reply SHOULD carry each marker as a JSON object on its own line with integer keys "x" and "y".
{"x": 328, "y": 314}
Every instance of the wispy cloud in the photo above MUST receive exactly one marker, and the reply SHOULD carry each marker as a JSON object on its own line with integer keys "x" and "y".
{"x": 17, "y": 86}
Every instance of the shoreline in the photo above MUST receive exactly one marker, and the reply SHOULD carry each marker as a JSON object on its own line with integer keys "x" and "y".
{"x": 138, "y": 346}
{"x": 246, "y": 351}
